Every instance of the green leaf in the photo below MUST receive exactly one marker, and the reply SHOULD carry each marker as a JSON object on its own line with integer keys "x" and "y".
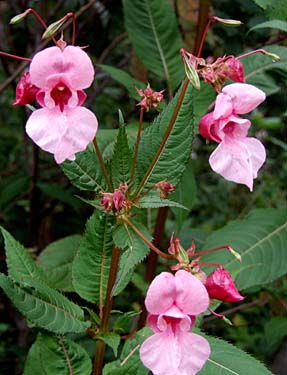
{"x": 134, "y": 252}
{"x": 122, "y": 323}
{"x": 125, "y": 79}
{"x": 262, "y": 3}
{"x": 112, "y": 340}
{"x": 258, "y": 68}
{"x": 12, "y": 187}
{"x": 56, "y": 261}
{"x": 44, "y": 307}
{"x": 90, "y": 270}
{"x": 275, "y": 330}
{"x": 185, "y": 194}
{"x": 122, "y": 158}
{"x": 260, "y": 239}
{"x": 176, "y": 152}
{"x": 129, "y": 362}
{"x": 59, "y": 192}
{"x": 226, "y": 359}
{"x": 52, "y": 355}
{"x": 201, "y": 100}
{"x": 19, "y": 262}
{"x": 153, "y": 200}
{"x": 85, "y": 172}
{"x": 274, "y": 24}
{"x": 153, "y": 31}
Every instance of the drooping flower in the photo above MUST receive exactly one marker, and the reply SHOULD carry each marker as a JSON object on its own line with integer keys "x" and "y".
{"x": 238, "y": 157}
{"x": 173, "y": 303}
{"x": 25, "y": 90}
{"x": 220, "y": 285}
{"x": 62, "y": 127}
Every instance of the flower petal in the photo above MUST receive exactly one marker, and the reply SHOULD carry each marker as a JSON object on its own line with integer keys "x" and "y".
{"x": 231, "y": 159}
{"x": 223, "y": 106}
{"x": 72, "y": 62}
{"x": 257, "y": 154}
{"x": 206, "y": 128}
{"x": 62, "y": 133}
{"x": 82, "y": 129}
{"x": 161, "y": 293}
{"x": 191, "y": 295}
{"x": 244, "y": 97}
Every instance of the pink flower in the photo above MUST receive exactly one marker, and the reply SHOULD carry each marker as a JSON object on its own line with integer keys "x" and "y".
{"x": 62, "y": 127}
{"x": 220, "y": 285}
{"x": 238, "y": 157}
{"x": 25, "y": 91}
{"x": 173, "y": 303}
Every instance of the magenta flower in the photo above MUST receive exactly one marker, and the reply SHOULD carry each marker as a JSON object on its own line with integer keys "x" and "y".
{"x": 173, "y": 303}
{"x": 220, "y": 285}
{"x": 62, "y": 127}
{"x": 238, "y": 157}
{"x": 25, "y": 90}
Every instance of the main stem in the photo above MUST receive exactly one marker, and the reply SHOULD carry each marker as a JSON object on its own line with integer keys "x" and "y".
{"x": 104, "y": 326}
{"x": 137, "y": 145}
{"x": 165, "y": 138}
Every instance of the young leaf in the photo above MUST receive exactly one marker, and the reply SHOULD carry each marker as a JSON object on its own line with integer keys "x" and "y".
{"x": 122, "y": 157}
{"x": 91, "y": 265}
{"x": 44, "y": 307}
{"x": 112, "y": 340}
{"x": 135, "y": 250}
{"x": 274, "y": 24}
{"x": 54, "y": 355}
{"x": 19, "y": 262}
{"x": 262, "y": 247}
{"x": 153, "y": 31}
{"x": 152, "y": 200}
{"x": 56, "y": 261}
{"x": 176, "y": 152}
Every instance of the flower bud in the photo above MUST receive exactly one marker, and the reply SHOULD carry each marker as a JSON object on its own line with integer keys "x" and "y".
{"x": 19, "y": 17}
{"x": 150, "y": 98}
{"x": 220, "y": 285}
{"x": 228, "y": 22}
{"x": 25, "y": 90}
{"x": 164, "y": 188}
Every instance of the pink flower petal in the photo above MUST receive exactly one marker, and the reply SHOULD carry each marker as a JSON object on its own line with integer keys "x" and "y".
{"x": 72, "y": 62}
{"x": 161, "y": 294}
{"x": 244, "y": 97}
{"x": 62, "y": 133}
{"x": 231, "y": 159}
{"x": 207, "y": 128}
{"x": 257, "y": 154}
{"x": 234, "y": 126}
{"x": 180, "y": 354}
{"x": 191, "y": 295}
{"x": 223, "y": 106}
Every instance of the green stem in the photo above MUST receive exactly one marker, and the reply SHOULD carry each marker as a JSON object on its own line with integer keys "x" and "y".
{"x": 146, "y": 241}
{"x": 137, "y": 146}
{"x": 101, "y": 160}
{"x": 104, "y": 326}
{"x": 164, "y": 140}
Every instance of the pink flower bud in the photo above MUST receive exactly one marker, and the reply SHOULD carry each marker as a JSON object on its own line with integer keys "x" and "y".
{"x": 25, "y": 90}
{"x": 164, "y": 188}
{"x": 220, "y": 285}
{"x": 232, "y": 69}
{"x": 150, "y": 98}
{"x": 118, "y": 199}
{"x": 107, "y": 201}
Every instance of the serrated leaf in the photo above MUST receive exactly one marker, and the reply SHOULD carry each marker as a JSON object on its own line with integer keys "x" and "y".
{"x": 274, "y": 24}
{"x": 84, "y": 172}
{"x": 125, "y": 79}
{"x": 112, "y": 340}
{"x": 134, "y": 251}
{"x": 260, "y": 239}
{"x": 122, "y": 158}
{"x": 91, "y": 265}
{"x": 154, "y": 201}
{"x": 19, "y": 263}
{"x": 153, "y": 31}
{"x": 56, "y": 261}
{"x": 222, "y": 360}
{"x": 53, "y": 355}
{"x": 122, "y": 322}
{"x": 176, "y": 152}
{"x": 44, "y": 307}
{"x": 185, "y": 194}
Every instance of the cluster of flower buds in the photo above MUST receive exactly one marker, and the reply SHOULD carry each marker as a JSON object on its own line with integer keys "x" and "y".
{"x": 149, "y": 98}
{"x": 219, "y": 283}
{"x": 114, "y": 202}
{"x": 164, "y": 188}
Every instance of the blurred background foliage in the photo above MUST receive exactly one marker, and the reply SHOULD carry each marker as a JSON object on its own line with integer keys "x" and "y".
{"x": 38, "y": 204}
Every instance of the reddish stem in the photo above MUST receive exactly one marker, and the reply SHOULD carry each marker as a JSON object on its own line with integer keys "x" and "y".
{"x": 42, "y": 22}
{"x": 211, "y": 250}
{"x": 15, "y": 56}
{"x": 71, "y": 14}
{"x": 137, "y": 145}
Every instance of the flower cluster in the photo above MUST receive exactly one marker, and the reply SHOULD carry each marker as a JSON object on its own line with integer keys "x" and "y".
{"x": 238, "y": 157}
{"x": 149, "y": 98}
{"x": 114, "y": 202}
{"x": 56, "y": 79}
